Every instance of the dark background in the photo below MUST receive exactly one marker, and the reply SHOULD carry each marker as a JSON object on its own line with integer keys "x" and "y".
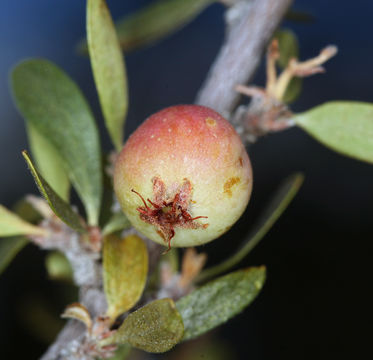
{"x": 317, "y": 300}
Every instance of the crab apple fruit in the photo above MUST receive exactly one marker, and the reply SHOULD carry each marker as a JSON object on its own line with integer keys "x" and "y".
{"x": 183, "y": 177}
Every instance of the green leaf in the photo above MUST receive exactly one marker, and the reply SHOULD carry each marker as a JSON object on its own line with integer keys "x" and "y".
{"x": 279, "y": 203}
{"x": 108, "y": 68}
{"x": 116, "y": 223}
{"x": 58, "y": 267}
{"x": 49, "y": 162}
{"x": 27, "y": 211}
{"x": 53, "y": 104}
{"x": 288, "y": 46}
{"x": 156, "y": 327}
{"x": 9, "y": 248}
{"x": 343, "y": 126}
{"x": 293, "y": 90}
{"x": 61, "y": 208}
{"x": 12, "y": 225}
{"x": 219, "y": 300}
{"x": 122, "y": 352}
{"x": 156, "y": 21}
{"x": 125, "y": 263}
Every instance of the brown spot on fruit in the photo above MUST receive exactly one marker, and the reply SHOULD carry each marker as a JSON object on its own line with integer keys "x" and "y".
{"x": 210, "y": 122}
{"x": 240, "y": 161}
{"x": 229, "y": 183}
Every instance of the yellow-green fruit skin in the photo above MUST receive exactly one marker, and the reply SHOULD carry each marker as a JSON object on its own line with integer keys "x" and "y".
{"x": 186, "y": 142}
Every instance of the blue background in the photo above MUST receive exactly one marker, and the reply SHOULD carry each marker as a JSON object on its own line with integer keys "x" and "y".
{"x": 316, "y": 299}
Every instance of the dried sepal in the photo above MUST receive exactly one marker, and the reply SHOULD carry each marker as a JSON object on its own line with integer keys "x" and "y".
{"x": 79, "y": 312}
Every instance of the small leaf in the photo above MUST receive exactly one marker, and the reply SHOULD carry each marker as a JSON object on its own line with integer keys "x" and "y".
{"x": 156, "y": 21}
{"x": 343, "y": 126}
{"x": 116, "y": 223}
{"x": 9, "y": 248}
{"x": 58, "y": 267}
{"x": 61, "y": 208}
{"x": 293, "y": 90}
{"x": 156, "y": 327}
{"x": 79, "y": 312}
{"x": 281, "y": 200}
{"x": 49, "y": 162}
{"x": 54, "y": 105}
{"x": 219, "y": 300}
{"x": 125, "y": 263}
{"x": 12, "y": 225}
{"x": 122, "y": 352}
{"x": 108, "y": 68}
{"x": 288, "y": 46}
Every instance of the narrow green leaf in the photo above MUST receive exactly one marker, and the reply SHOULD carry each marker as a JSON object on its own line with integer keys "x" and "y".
{"x": 155, "y": 328}
{"x": 116, "y": 223}
{"x": 12, "y": 225}
{"x": 343, "y": 126}
{"x": 155, "y": 21}
{"x": 54, "y": 105}
{"x": 279, "y": 203}
{"x": 58, "y": 267}
{"x": 288, "y": 46}
{"x": 9, "y": 248}
{"x": 61, "y": 208}
{"x": 49, "y": 162}
{"x": 219, "y": 300}
{"x": 108, "y": 68}
{"x": 125, "y": 263}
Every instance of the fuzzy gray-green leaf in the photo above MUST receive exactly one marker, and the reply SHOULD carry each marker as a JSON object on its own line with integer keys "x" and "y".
{"x": 343, "y": 126}
{"x": 61, "y": 208}
{"x": 108, "y": 68}
{"x": 155, "y": 328}
{"x": 49, "y": 162}
{"x": 52, "y": 103}
{"x": 219, "y": 300}
{"x": 9, "y": 248}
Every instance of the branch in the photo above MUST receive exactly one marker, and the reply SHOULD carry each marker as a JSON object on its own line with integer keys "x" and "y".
{"x": 250, "y": 25}
{"x": 87, "y": 270}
